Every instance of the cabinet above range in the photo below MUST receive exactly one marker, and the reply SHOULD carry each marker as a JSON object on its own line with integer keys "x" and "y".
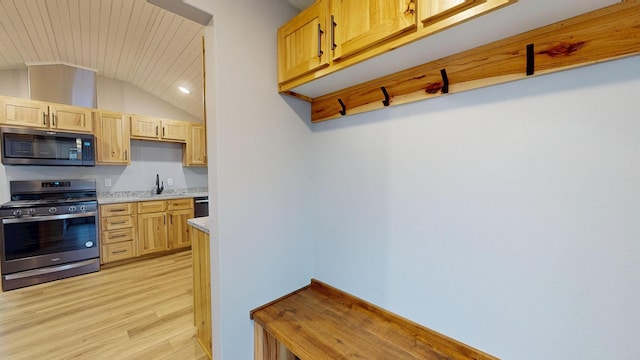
{"x": 43, "y": 115}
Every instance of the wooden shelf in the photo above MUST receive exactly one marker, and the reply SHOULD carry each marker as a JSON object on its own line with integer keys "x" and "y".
{"x": 322, "y": 322}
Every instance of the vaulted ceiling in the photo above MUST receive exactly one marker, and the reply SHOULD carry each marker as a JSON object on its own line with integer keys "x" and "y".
{"x": 128, "y": 40}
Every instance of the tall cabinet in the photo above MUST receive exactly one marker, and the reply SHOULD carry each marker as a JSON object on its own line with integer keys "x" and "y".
{"x": 113, "y": 140}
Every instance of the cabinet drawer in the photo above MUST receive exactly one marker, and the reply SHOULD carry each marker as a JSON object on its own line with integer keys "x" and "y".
{"x": 114, "y": 236}
{"x": 117, "y": 222}
{"x": 117, "y": 251}
{"x": 145, "y": 207}
{"x": 116, "y": 209}
{"x": 180, "y": 204}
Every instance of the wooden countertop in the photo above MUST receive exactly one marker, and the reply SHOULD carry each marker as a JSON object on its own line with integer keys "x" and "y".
{"x": 322, "y": 322}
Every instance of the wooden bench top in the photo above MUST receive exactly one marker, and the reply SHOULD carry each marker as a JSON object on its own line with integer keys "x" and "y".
{"x": 322, "y": 322}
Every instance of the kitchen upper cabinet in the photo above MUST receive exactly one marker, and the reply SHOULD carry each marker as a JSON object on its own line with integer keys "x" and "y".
{"x": 72, "y": 118}
{"x": 359, "y": 24}
{"x": 112, "y": 132}
{"x": 302, "y": 42}
{"x": 433, "y": 10}
{"x": 42, "y": 115}
{"x": 195, "y": 149}
{"x": 152, "y": 128}
{"x": 24, "y": 112}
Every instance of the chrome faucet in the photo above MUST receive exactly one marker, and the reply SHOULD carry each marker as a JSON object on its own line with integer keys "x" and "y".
{"x": 159, "y": 187}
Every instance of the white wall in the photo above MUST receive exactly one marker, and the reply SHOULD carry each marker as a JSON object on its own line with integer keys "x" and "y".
{"x": 116, "y": 95}
{"x": 505, "y": 217}
{"x": 14, "y": 83}
{"x": 260, "y": 167}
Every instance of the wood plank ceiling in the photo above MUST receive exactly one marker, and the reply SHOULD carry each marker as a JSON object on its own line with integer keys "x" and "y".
{"x": 128, "y": 40}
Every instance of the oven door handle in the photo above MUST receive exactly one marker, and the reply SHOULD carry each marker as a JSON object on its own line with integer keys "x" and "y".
{"x": 47, "y": 218}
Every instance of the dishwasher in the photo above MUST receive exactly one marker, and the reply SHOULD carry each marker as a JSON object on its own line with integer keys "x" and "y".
{"x": 201, "y": 206}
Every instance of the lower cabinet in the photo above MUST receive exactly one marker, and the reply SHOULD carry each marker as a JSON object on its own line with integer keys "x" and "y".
{"x": 134, "y": 229}
{"x": 202, "y": 288}
{"x": 162, "y": 225}
{"x": 117, "y": 229}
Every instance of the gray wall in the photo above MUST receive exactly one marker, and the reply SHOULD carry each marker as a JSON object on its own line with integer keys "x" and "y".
{"x": 505, "y": 217}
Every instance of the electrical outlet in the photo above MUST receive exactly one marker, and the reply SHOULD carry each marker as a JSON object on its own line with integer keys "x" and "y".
{"x": 170, "y": 181}
{"x": 107, "y": 182}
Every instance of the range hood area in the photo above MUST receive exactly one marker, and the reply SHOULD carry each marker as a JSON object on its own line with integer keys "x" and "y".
{"x": 62, "y": 84}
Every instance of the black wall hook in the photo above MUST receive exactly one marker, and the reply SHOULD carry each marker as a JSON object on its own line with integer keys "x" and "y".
{"x": 386, "y": 101}
{"x": 531, "y": 60}
{"x": 344, "y": 108}
{"x": 445, "y": 81}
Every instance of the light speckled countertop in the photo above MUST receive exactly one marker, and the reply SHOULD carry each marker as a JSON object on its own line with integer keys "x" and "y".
{"x": 201, "y": 223}
{"x": 133, "y": 196}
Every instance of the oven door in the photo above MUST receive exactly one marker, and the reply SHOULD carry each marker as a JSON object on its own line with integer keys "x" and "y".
{"x": 41, "y": 241}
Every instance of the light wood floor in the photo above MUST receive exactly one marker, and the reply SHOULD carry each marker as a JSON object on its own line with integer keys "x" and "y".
{"x": 142, "y": 310}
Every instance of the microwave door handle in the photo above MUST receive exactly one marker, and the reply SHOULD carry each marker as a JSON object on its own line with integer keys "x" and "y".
{"x": 28, "y": 219}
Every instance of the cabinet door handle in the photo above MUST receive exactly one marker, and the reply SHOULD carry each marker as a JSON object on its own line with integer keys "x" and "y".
{"x": 119, "y": 252}
{"x": 53, "y": 119}
{"x": 163, "y": 131}
{"x": 117, "y": 236}
{"x": 126, "y": 155}
{"x": 320, "y": 32}
{"x": 118, "y": 223}
{"x": 333, "y": 33}
{"x": 164, "y": 217}
{"x": 171, "y": 219}
{"x": 44, "y": 118}
{"x": 156, "y": 130}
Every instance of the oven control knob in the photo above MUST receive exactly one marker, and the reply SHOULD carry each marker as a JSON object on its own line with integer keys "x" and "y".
{"x": 83, "y": 208}
{"x": 53, "y": 210}
{"x": 72, "y": 209}
{"x": 17, "y": 213}
{"x": 31, "y": 211}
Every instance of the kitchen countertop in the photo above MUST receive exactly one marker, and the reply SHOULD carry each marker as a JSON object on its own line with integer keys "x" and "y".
{"x": 201, "y": 223}
{"x": 135, "y": 196}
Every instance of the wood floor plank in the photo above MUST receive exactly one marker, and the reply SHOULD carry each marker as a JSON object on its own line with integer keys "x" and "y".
{"x": 141, "y": 310}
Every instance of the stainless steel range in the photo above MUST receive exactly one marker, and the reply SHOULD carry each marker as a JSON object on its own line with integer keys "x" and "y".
{"x": 48, "y": 232}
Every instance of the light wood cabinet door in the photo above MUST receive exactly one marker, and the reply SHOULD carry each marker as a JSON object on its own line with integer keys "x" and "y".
{"x": 179, "y": 229}
{"x": 113, "y": 140}
{"x": 152, "y": 128}
{"x": 145, "y": 127}
{"x": 302, "y": 42}
{"x": 195, "y": 149}
{"x": 152, "y": 233}
{"x": 72, "y": 118}
{"x": 434, "y": 10}
{"x": 359, "y": 24}
{"x": 117, "y": 251}
{"x": 24, "y": 112}
{"x": 174, "y": 130}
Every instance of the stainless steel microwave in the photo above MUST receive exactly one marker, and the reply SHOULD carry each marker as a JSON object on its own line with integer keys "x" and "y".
{"x": 43, "y": 147}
